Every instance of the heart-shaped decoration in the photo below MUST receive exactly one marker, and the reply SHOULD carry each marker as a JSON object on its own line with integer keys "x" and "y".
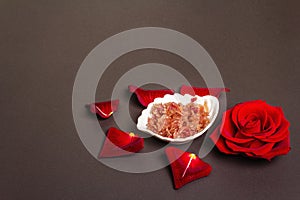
{"x": 186, "y": 167}
{"x": 119, "y": 143}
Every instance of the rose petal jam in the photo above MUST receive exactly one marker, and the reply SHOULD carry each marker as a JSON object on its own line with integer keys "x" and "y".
{"x": 175, "y": 120}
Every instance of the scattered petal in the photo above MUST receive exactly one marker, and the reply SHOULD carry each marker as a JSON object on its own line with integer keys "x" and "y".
{"x": 119, "y": 143}
{"x": 104, "y": 109}
{"x": 147, "y": 96}
{"x": 186, "y": 167}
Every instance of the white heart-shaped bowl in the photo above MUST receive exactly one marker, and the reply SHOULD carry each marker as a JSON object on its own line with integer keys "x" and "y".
{"x": 212, "y": 104}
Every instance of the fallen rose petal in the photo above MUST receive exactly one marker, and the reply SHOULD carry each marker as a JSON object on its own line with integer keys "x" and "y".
{"x": 119, "y": 143}
{"x": 186, "y": 167}
{"x": 202, "y": 91}
{"x": 104, "y": 109}
{"x": 147, "y": 96}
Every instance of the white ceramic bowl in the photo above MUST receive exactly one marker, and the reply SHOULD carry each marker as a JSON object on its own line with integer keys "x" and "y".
{"x": 212, "y": 104}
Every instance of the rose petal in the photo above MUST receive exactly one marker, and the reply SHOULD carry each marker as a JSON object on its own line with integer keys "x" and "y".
{"x": 104, "y": 109}
{"x": 243, "y": 109}
{"x": 280, "y": 148}
{"x": 263, "y": 149}
{"x": 252, "y": 128}
{"x": 186, "y": 167}
{"x": 234, "y": 115}
{"x": 249, "y": 117}
{"x": 220, "y": 142}
{"x": 265, "y": 132}
{"x": 202, "y": 91}
{"x": 252, "y": 119}
{"x": 257, "y": 144}
{"x": 259, "y": 120}
{"x": 228, "y": 129}
{"x": 276, "y": 115}
{"x": 275, "y": 132}
{"x": 119, "y": 143}
{"x": 245, "y": 138}
{"x": 147, "y": 96}
{"x": 249, "y": 154}
{"x": 280, "y": 134}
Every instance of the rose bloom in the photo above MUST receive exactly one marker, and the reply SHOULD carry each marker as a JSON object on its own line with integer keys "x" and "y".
{"x": 253, "y": 129}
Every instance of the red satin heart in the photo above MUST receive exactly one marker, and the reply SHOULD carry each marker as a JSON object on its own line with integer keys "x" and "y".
{"x": 147, "y": 96}
{"x": 104, "y": 109}
{"x": 202, "y": 91}
{"x": 186, "y": 167}
{"x": 119, "y": 143}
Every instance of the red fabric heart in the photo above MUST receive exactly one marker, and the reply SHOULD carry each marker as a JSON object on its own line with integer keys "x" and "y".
{"x": 202, "y": 91}
{"x": 119, "y": 143}
{"x": 147, "y": 96}
{"x": 104, "y": 109}
{"x": 186, "y": 167}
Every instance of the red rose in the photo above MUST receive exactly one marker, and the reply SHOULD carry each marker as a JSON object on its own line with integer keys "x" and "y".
{"x": 254, "y": 129}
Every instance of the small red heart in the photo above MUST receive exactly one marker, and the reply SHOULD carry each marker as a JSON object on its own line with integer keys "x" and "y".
{"x": 119, "y": 143}
{"x": 202, "y": 91}
{"x": 186, "y": 167}
{"x": 104, "y": 109}
{"x": 147, "y": 96}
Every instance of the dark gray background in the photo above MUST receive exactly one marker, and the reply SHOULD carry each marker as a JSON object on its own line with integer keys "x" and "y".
{"x": 255, "y": 44}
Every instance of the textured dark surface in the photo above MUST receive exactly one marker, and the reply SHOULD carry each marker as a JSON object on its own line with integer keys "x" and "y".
{"x": 255, "y": 44}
